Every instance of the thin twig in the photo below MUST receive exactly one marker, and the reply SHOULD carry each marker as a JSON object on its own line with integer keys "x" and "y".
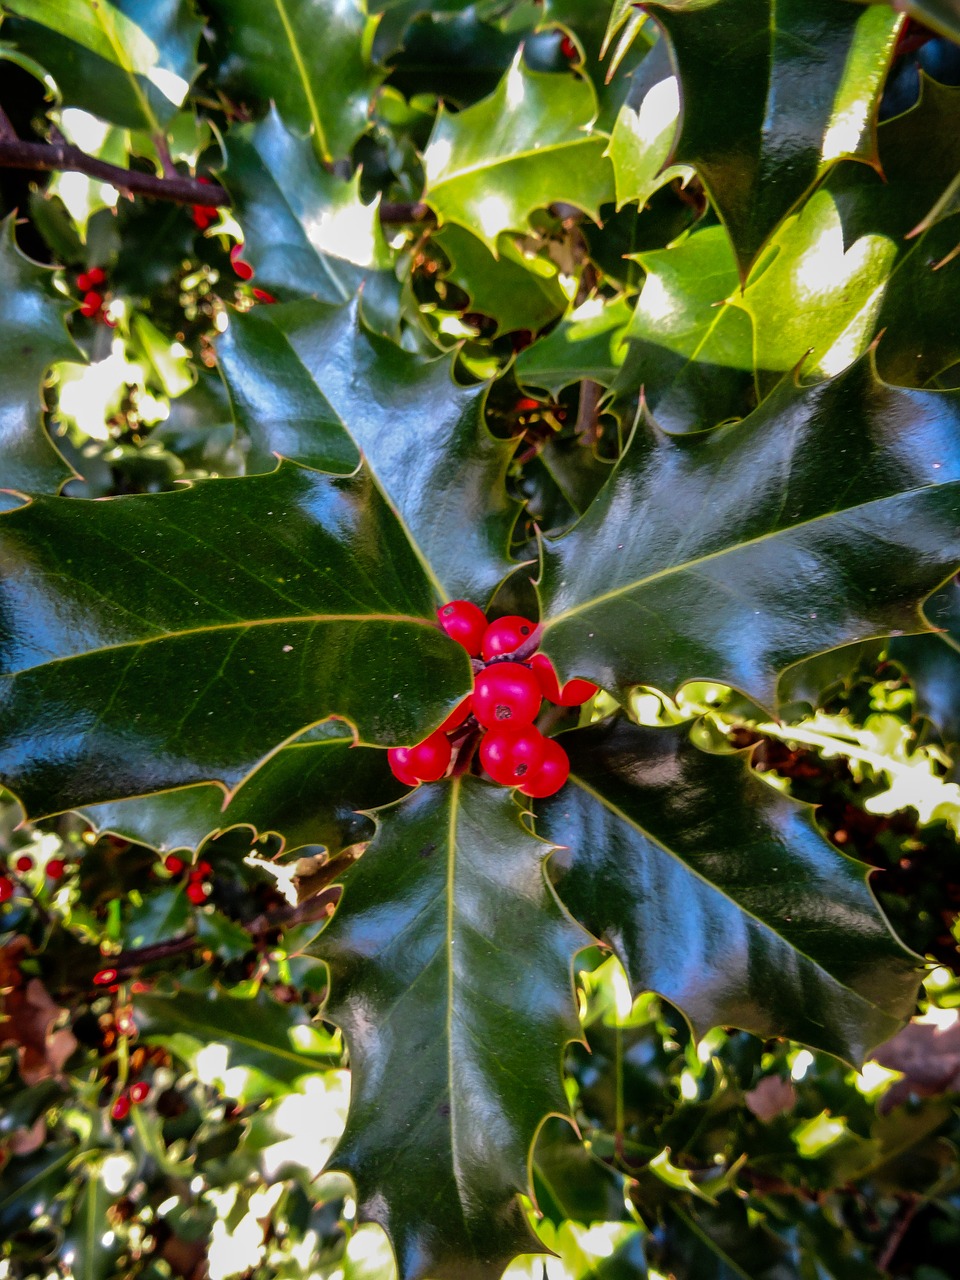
{"x": 6, "y": 128}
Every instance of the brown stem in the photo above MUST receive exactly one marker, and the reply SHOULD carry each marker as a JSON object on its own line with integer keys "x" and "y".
{"x": 6, "y": 128}
{"x": 392, "y": 211}
{"x": 896, "y": 1236}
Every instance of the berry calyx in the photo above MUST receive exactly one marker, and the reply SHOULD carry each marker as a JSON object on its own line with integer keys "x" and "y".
{"x": 510, "y": 755}
{"x": 139, "y": 1091}
{"x": 56, "y": 868}
{"x": 426, "y": 762}
{"x": 6, "y": 888}
{"x": 173, "y": 864}
{"x": 121, "y": 1108}
{"x": 465, "y": 623}
{"x": 573, "y": 694}
{"x": 197, "y": 893}
{"x": 24, "y": 863}
{"x": 506, "y": 635}
{"x": 507, "y": 693}
{"x": 550, "y": 775}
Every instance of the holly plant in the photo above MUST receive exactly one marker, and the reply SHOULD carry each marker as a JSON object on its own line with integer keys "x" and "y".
{"x": 480, "y": 495}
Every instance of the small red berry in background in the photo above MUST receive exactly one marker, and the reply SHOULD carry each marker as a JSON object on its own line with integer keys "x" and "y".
{"x": 174, "y": 864}
{"x": 92, "y": 304}
{"x": 550, "y": 774}
{"x": 6, "y": 888}
{"x": 204, "y": 214}
{"x": 88, "y": 280}
{"x": 465, "y": 623}
{"x": 506, "y": 635}
{"x": 121, "y": 1108}
{"x": 509, "y": 755}
{"x": 569, "y": 49}
{"x": 425, "y": 762}
{"x": 139, "y": 1091}
{"x": 243, "y": 269}
{"x": 507, "y": 693}
{"x": 105, "y": 977}
{"x": 55, "y": 868}
{"x": 202, "y": 869}
{"x": 261, "y": 295}
{"x": 24, "y": 862}
{"x": 573, "y": 694}
{"x": 197, "y": 893}
{"x": 457, "y": 716}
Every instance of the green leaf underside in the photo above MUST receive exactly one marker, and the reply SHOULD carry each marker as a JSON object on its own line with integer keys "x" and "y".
{"x": 717, "y": 892}
{"x": 521, "y": 149}
{"x": 731, "y": 556}
{"x": 306, "y": 56}
{"x": 307, "y": 792}
{"x": 423, "y": 437}
{"x": 774, "y": 92}
{"x": 589, "y": 343}
{"x": 129, "y": 61}
{"x": 32, "y": 336}
{"x": 450, "y": 964}
{"x": 306, "y": 231}
{"x": 119, "y": 678}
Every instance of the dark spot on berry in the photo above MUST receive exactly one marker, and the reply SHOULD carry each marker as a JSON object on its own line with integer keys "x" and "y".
{"x": 521, "y": 770}
{"x": 524, "y": 631}
{"x": 503, "y": 712}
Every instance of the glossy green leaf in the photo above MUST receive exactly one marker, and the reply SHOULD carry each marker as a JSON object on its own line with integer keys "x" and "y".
{"x": 589, "y": 343}
{"x": 423, "y": 438}
{"x": 276, "y": 1044}
{"x": 32, "y": 337}
{"x": 527, "y": 145}
{"x": 306, "y": 56}
{"x": 731, "y": 556}
{"x": 89, "y": 1248}
{"x": 124, "y": 674}
{"x": 128, "y": 61}
{"x": 516, "y": 291}
{"x": 722, "y": 1242}
{"x": 308, "y": 792}
{"x": 642, "y": 139}
{"x": 763, "y": 119}
{"x": 717, "y": 892}
{"x": 29, "y": 1183}
{"x": 688, "y": 349}
{"x": 940, "y": 15}
{"x": 450, "y": 965}
{"x": 306, "y": 230}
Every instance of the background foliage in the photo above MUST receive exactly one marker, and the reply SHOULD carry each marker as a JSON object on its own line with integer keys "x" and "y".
{"x": 639, "y": 319}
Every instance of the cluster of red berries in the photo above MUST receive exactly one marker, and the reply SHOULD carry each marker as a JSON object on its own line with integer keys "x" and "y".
{"x": 136, "y": 1093}
{"x": 54, "y": 871}
{"x": 198, "y": 880}
{"x": 204, "y": 214}
{"x": 90, "y": 283}
{"x": 246, "y": 273}
{"x": 497, "y": 719}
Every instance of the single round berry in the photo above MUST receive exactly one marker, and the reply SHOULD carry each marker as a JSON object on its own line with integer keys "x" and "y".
{"x": 573, "y": 694}
{"x": 396, "y": 759}
{"x": 201, "y": 870}
{"x": 139, "y": 1091}
{"x": 457, "y": 716}
{"x": 465, "y": 623}
{"x": 95, "y": 276}
{"x": 92, "y": 304}
{"x": 243, "y": 269}
{"x": 506, "y": 693}
{"x": 56, "y": 868}
{"x": 24, "y": 863}
{"x": 6, "y": 888}
{"x": 511, "y": 754}
{"x": 104, "y": 977}
{"x": 174, "y": 864}
{"x": 551, "y": 774}
{"x": 569, "y": 49}
{"x": 121, "y": 1108}
{"x": 428, "y": 760}
{"x": 506, "y": 635}
{"x": 197, "y": 893}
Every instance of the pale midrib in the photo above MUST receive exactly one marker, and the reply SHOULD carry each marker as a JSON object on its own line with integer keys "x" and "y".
{"x": 308, "y": 1063}
{"x": 320, "y": 135}
{"x": 687, "y": 565}
{"x": 448, "y": 942}
{"x": 242, "y": 624}
{"x": 116, "y": 45}
{"x": 483, "y": 165}
{"x": 761, "y": 924}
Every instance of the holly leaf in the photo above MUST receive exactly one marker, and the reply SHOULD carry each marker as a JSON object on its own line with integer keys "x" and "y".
{"x": 524, "y": 147}
{"x": 306, "y": 56}
{"x": 440, "y": 918}
{"x": 941, "y": 15}
{"x": 457, "y": 517}
{"x": 689, "y": 350}
{"x": 731, "y": 556}
{"x": 28, "y": 1185}
{"x": 517, "y": 291}
{"x": 716, "y": 891}
{"x": 32, "y": 337}
{"x": 589, "y": 343}
{"x": 306, "y": 231}
{"x": 128, "y": 61}
{"x": 642, "y": 139}
{"x": 93, "y": 1252}
{"x": 123, "y": 675}
{"x": 309, "y": 793}
{"x": 774, "y": 92}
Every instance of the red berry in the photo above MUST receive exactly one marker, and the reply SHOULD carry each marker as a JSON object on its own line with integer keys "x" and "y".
{"x": 173, "y": 864}
{"x": 91, "y": 304}
{"x": 465, "y": 623}
{"x": 511, "y": 754}
{"x": 506, "y": 693}
{"x": 261, "y": 295}
{"x": 428, "y": 760}
{"x": 526, "y": 405}
{"x": 573, "y": 694}
{"x": 457, "y": 716}
{"x": 197, "y": 894}
{"x": 6, "y": 888}
{"x": 139, "y": 1091}
{"x": 203, "y": 215}
{"x": 56, "y": 868}
{"x": 552, "y": 773}
{"x": 104, "y": 977}
{"x": 201, "y": 870}
{"x": 96, "y": 275}
{"x": 505, "y": 635}
{"x": 396, "y": 759}
{"x": 243, "y": 269}
{"x": 569, "y": 49}
{"x": 121, "y": 1108}
{"x": 24, "y": 862}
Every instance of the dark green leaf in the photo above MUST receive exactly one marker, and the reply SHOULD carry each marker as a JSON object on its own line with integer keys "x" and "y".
{"x": 128, "y": 61}
{"x": 450, "y": 965}
{"x": 422, "y": 437}
{"x": 721, "y": 1242}
{"x": 307, "y": 56}
{"x": 89, "y": 1248}
{"x": 32, "y": 337}
{"x": 587, "y": 344}
{"x": 774, "y": 92}
{"x": 125, "y": 674}
{"x": 717, "y": 892}
{"x": 306, "y": 230}
{"x": 731, "y": 556}
{"x": 29, "y": 1183}
{"x": 527, "y": 145}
